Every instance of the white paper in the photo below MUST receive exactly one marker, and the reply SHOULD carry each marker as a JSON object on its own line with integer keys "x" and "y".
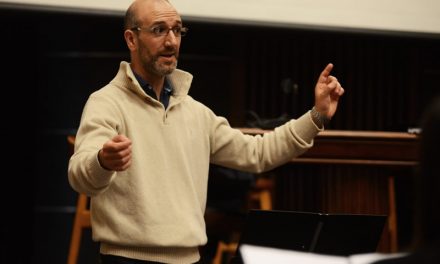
{"x": 265, "y": 255}
{"x": 372, "y": 257}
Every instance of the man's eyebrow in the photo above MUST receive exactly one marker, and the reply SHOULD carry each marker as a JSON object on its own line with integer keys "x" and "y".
{"x": 159, "y": 23}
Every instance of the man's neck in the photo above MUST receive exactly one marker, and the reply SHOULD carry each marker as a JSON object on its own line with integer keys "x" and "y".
{"x": 157, "y": 85}
{"x": 155, "y": 81}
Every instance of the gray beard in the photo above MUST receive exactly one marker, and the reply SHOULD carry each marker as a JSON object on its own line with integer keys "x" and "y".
{"x": 163, "y": 70}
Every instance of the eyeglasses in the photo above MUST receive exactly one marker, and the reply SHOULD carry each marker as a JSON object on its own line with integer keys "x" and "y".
{"x": 161, "y": 31}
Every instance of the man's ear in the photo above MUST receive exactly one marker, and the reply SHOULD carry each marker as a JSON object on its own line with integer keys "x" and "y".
{"x": 130, "y": 39}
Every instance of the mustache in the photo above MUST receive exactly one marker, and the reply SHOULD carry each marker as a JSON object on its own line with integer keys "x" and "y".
{"x": 169, "y": 50}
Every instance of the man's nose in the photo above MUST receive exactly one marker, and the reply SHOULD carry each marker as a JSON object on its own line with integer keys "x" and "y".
{"x": 171, "y": 39}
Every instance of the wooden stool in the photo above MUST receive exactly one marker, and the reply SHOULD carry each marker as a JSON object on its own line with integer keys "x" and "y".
{"x": 82, "y": 218}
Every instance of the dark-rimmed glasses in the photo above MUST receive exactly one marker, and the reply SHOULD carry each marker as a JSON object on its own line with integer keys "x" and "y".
{"x": 161, "y": 31}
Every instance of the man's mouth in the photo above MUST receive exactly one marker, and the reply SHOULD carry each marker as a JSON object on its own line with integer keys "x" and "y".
{"x": 169, "y": 55}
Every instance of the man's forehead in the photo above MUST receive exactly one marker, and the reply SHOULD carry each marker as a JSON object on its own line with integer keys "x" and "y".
{"x": 156, "y": 11}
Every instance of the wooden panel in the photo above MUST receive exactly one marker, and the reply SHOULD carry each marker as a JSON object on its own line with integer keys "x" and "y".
{"x": 358, "y": 147}
{"x": 364, "y": 148}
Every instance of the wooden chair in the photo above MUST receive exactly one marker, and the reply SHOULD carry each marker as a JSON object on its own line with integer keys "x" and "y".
{"x": 82, "y": 218}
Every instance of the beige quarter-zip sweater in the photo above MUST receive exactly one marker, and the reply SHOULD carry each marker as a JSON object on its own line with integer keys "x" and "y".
{"x": 154, "y": 210}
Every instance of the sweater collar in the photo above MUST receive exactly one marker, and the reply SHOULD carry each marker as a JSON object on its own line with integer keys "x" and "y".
{"x": 178, "y": 79}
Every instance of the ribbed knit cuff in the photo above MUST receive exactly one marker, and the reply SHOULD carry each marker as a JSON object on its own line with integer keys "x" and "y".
{"x": 305, "y": 128}
{"x": 172, "y": 255}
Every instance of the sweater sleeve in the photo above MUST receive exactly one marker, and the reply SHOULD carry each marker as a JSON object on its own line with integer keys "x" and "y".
{"x": 99, "y": 123}
{"x": 259, "y": 153}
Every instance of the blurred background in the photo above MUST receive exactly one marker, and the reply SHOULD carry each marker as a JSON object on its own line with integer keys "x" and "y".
{"x": 53, "y": 58}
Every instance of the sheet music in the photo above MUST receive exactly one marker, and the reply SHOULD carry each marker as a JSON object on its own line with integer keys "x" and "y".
{"x": 263, "y": 255}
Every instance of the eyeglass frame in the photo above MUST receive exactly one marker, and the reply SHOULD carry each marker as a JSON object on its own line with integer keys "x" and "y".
{"x": 183, "y": 30}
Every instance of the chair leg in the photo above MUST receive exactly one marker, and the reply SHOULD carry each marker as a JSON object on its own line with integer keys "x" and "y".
{"x": 74, "y": 245}
{"x": 223, "y": 248}
{"x": 265, "y": 200}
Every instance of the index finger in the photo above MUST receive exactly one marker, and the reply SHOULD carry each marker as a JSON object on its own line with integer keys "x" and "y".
{"x": 326, "y": 72}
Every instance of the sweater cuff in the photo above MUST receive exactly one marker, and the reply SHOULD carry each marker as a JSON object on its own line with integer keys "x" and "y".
{"x": 102, "y": 176}
{"x": 305, "y": 128}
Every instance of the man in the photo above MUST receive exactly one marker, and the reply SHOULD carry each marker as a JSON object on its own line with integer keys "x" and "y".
{"x": 143, "y": 147}
{"x": 425, "y": 248}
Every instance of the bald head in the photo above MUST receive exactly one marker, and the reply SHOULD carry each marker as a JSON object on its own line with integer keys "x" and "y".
{"x": 153, "y": 35}
{"x": 132, "y": 15}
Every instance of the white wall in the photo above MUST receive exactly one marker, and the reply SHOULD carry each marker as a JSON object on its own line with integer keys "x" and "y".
{"x": 390, "y": 15}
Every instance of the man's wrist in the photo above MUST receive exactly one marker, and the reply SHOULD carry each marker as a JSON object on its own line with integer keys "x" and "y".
{"x": 100, "y": 161}
{"x": 319, "y": 119}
